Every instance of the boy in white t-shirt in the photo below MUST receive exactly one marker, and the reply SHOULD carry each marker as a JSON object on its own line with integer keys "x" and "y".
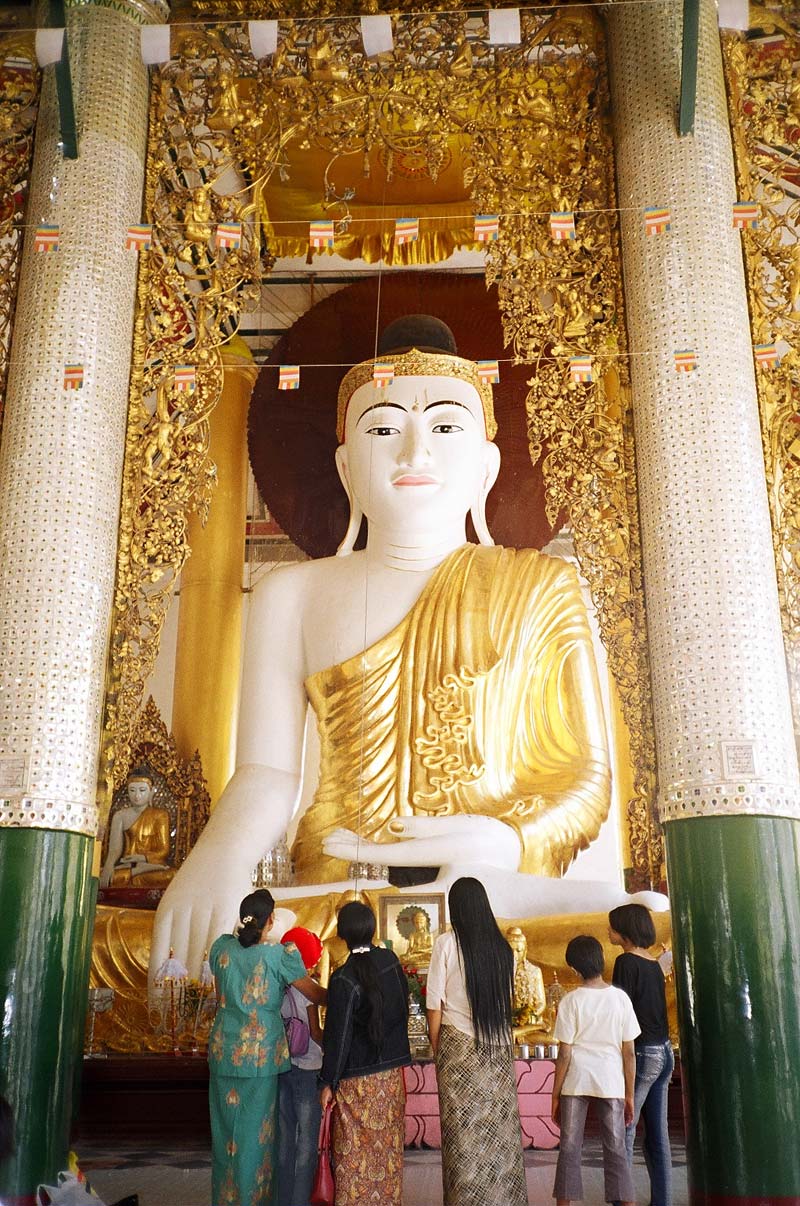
{"x": 595, "y": 1029}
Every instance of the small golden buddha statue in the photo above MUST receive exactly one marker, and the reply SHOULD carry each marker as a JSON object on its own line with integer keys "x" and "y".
{"x": 530, "y": 1002}
{"x": 139, "y": 841}
{"x": 419, "y": 939}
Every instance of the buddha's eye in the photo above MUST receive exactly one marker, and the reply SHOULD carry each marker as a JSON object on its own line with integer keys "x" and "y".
{"x": 446, "y": 428}
{"x": 383, "y": 431}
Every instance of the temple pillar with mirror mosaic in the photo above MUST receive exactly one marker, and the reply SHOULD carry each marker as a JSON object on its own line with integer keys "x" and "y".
{"x": 60, "y": 477}
{"x": 727, "y": 765}
{"x": 105, "y": 489}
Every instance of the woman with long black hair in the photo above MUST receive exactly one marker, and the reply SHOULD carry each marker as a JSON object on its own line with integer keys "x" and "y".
{"x": 469, "y": 993}
{"x": 365, "y": 1047}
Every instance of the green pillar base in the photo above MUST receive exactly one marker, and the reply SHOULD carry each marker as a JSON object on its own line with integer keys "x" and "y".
{"x": 46, "y": 907}
{"x": 735, "y": 894}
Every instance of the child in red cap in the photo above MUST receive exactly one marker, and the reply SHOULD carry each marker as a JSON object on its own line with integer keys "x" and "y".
{"x": 299, "y": 1111}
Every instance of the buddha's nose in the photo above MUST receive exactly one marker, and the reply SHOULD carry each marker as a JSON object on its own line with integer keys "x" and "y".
{"x": 415, "y": 450}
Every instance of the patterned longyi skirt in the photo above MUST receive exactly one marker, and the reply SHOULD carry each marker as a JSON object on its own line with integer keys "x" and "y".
{"x": 368, "y": 1132}
{"x": 481, "y": 1139}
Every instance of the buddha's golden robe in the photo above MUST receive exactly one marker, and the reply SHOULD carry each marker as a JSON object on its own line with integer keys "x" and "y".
{"x": 484, "y": 700}
{"x": 149, "y": 837}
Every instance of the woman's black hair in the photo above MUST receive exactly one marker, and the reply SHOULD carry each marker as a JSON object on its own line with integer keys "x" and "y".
{"x": 487, "y": 959}
{"x": 633, "y": 921}
{"x": 356, "y": 926}
{"x": 254, "y": 911}
{"x": 585, "y": 956}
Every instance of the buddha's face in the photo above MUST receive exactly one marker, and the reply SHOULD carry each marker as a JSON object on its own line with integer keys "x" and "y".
{"x": 421, "y": 922}
{"x": 140, "y": 792}
{"x": 415, "y": 454}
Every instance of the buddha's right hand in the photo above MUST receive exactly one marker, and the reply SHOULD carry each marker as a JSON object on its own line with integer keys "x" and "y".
{"x": 201, "y": 903}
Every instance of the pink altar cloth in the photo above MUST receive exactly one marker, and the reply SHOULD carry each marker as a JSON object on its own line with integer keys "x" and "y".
{"x": 534, "y": 1086}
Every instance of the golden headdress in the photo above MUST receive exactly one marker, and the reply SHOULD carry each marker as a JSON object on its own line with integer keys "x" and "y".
{"x": 417, "y": 346}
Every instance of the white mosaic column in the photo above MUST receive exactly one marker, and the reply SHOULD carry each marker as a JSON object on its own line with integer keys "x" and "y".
{"x": 61, "y": 460}
{"x": 62, "y": 450}
{"x": 720, "y": 691}
{"x": 726, "y": 758}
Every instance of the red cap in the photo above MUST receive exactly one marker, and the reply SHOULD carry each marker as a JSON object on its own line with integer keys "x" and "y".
{"x": 308, "y": 944}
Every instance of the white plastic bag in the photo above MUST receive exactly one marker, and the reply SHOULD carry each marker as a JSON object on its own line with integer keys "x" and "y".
{"x": 69, "y": 1192}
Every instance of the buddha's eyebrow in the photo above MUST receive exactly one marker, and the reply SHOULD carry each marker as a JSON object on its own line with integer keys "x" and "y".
{"x": 447, "y": 402}
{"x": 381, "y": 406}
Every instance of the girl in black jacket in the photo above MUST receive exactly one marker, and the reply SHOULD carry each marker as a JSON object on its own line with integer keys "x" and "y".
{"x": 365, "y": 1047}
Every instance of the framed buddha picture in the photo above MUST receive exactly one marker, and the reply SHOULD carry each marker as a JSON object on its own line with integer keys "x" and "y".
{"x": 411, "y": 924}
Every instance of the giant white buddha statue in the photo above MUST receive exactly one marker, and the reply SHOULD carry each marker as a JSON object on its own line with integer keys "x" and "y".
{"x": 454, "y": 684}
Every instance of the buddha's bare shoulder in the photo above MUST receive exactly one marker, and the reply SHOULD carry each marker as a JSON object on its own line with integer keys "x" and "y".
{"x": 295, "y": 586}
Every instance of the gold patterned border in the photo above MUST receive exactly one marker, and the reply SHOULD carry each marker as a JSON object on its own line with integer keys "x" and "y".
{"x": 19, "y": 97}
{"x": 764, "y": 105}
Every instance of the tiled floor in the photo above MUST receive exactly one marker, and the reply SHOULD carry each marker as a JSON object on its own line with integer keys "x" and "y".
{"x": 183, "y": 1178}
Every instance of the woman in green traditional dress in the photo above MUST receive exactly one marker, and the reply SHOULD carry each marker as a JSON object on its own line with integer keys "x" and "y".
{"x": 247, "y": 1050}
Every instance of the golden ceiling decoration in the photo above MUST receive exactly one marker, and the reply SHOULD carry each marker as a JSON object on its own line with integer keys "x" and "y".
{"x": 19, "y": 97}
{"x": 764, "y": 102}
{"x": 529, "y": 125}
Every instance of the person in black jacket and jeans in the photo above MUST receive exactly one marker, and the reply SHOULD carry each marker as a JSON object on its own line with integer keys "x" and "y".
{"x": 365, "y": 1048}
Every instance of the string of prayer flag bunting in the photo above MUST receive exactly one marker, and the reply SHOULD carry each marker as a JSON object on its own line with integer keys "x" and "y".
{"x": 580, "y": 368}
{"x": 289, "y": 376}
{"x": 685, "y": 361}
{"x": 382, "y": 374}
{"x": 487, "y": 228}
{"x": 46, "y": 238}
{"x": 489, "y": 371}
{"x": 73, "y": 376}
{"x": 657, "y": 220}
{"x": 320, "y": 235}
{"x": 139, "y": 237}
{"x": 406, "y": 230}
{"x": 562, "y": 225}
{"x": 229, "y": 234}
{"x": 185, "y": 378}
{"x": 767, "y": 354}
{"x": 745, "y": 215}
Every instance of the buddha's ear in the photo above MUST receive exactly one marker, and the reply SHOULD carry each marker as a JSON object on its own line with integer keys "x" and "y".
{"x": 356, "y": 514}
{"x": 477, "y": 512}
{"x": 492, "y": 465}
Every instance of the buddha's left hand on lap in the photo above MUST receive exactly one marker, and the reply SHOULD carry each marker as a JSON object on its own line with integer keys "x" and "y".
{"x": 433, "y": 841}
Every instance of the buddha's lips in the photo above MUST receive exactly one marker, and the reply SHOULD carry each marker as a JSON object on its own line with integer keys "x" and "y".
{"x": 416, "y": 479}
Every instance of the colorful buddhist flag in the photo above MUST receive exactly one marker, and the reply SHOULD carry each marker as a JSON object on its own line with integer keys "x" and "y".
{"x": 489, "y": 371}
{"x": 229, "y": 234}
{"x": 382, "y": 374}
{"x": 562, "y": 225}
{"x": 745, "y": 215}
{"x": 139, "y": 237}
{"x": 46, "y": 238}
{"x": 685, "y": 360}
{"x": 289, "y": 376}
{"x": 320, "y": 234}
{"x": 406, "y": 230}
{"x": 580, "y": 368}
{"x": 185, "y": 376}
{"x": 73, "y": 376}
{"x": 487, "y": 228}
{"x": 766, "y": 354}
{"x": 657, "y": 220}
